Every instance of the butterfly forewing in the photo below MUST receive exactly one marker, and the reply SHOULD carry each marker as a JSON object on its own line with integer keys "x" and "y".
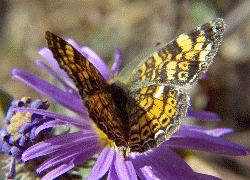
{"x": 184, "y": 60}
{"x": 104, "y": 112}
{"x": 91, "y": 86}
{"x": 85, "y": 76}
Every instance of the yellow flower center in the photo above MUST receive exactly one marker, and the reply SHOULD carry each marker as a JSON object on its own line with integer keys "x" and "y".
{"x": 17, "y": 121}
{"x": 105, "y": 141}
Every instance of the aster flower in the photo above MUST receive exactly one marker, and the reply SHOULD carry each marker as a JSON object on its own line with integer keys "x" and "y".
{"x": 18, "y": 130}
{"x": 69, "y": 150}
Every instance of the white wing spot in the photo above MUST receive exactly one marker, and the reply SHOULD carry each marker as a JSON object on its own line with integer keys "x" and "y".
{"x": 159, "y": 92}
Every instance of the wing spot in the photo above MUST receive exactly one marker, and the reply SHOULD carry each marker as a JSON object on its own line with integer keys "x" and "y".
{"x": 58, "y": 45}
{"x": 190, "y": 55}
{"x": 158, "y": 60}
{"x": 183, "y": 65}
{"x": 183, "y": 75}
{"x": 158, "y": 92}
{"x": 201, "y": 38}
{"x": 143, "y": 69}
{"x": 170, "y": 74}
{"x": 171, "y": 93}
{"x": 61, "y": 52}
{"x": 203, "y": 55}
{"x": 171, "y": 65}
{"x": 158, "y": 103}
{"x": 172, "y": 101}
{"x": 149, "y": 102}
{"x": 164, "y": 122}
{"x": 145, "y": 132}
{"x": 169, "y": 110}
{"x": 178, "y": 57}
{"x": 85, "y": 74}
{"x": 143, "y": 121}
{"x": 154, "y": 125}
{"x": 198, "y": 46}
{"x": 144, "y": 90}
{"x": 65, "y": 59}
{"x": 135, "y": 138}
{"x": 184, "y": 42}
{"x": 155, "y": 111}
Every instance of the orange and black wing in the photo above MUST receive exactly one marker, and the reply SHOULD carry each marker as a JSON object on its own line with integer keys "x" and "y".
{"x": 86, "y": 77}
{"x": 90, "y": 84}
{"x": 185, "y": 59}
{"x": 154, "y": 114}
{"x": 104, "y": 113}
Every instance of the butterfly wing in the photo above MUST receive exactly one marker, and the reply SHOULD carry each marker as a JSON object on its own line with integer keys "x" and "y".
{"x": 86, "y": 77}
{"x": 103, "y": 111}
{"x": 184, "y": 60}
{"x": 91, "y": 86}
{"x": 154, "y": 112}
{"x": 157, "y": 103}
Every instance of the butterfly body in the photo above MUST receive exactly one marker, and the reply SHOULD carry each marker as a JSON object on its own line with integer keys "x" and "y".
{"x": 110, "y": 104}
{"x": 141, "y": 112}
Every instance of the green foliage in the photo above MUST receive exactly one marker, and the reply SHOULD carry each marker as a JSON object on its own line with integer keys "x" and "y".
{"x": 5, "y": 100}
{"x": 201, "y": 13}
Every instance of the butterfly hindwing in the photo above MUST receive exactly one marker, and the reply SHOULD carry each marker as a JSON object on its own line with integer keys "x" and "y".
{"x": 154, "y": 112}
{"x": 85, "y": 76}
{"x": 184, "y": 60}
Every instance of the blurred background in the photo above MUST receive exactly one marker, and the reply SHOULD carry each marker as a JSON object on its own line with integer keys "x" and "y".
{"x": 133, "y": 26}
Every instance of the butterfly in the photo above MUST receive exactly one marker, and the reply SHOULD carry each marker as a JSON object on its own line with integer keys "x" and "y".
{"x": 141, "y": 112}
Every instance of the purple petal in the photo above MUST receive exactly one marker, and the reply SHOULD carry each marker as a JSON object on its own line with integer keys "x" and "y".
{"x": 206, "y": 177}
{"x": 77, "y": 153}
{"x": 146, "y": 173}
{"x": 124, "y": 169}
{"x": 218, "y": 132}
{"x": 96, "y": 60}
{"x": 49, "y": 124}
{"x": 149, "y": 168}
{"x": 176, "y": 166}
{"x": 74, "y": 44}
{"x": 25, "y": 128}
{"x": 191, "y": 139}
{"x": 58, "y": 171}
{"x": 52, "y": 72}
{"x": 102, "y": 164}
{"x": 112, "y": 175}
{"x": 48, "y": 56}
{"x": 82, "y": 123}
{"x": 46, "y": 89}
{"x": 12, "y": 168}
{"x": 117, "y": 62}
{"x": 174, "y": 160}
{"x": 161, "y": 163}
{"x": 131, "y": 170}
{"x": 202, "y": 115}
{"x": 58, "y": 143}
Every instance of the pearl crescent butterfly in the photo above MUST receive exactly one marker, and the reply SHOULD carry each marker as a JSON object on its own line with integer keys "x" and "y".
{"x": 141, "y": 112}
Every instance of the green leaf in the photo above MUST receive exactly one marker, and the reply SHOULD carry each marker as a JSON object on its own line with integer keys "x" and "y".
{"x": 5, "y": 100}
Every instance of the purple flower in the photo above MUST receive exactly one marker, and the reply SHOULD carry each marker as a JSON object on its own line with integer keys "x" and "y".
{"x": 18, "y": 130}
{"x": 69, "y": 150}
